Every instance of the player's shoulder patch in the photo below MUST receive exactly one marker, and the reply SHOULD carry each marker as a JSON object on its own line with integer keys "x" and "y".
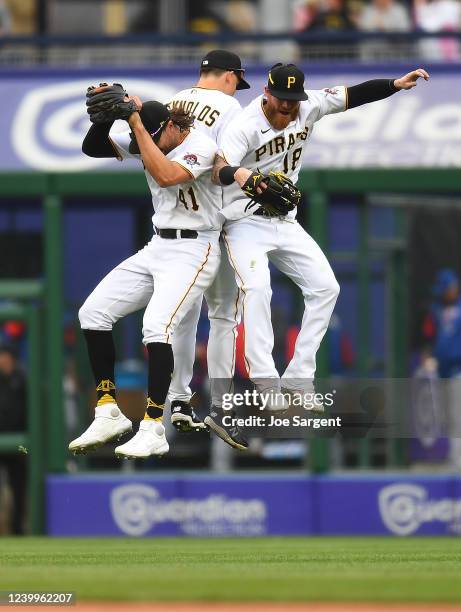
{"x": 191, "y": 159}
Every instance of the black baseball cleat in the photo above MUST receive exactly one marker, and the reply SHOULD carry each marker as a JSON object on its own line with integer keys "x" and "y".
{"x": 230, "y": 433}
{"x": 184, "y": 418}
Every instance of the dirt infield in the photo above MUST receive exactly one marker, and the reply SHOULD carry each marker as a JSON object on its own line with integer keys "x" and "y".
{"x": 250, "y": 607}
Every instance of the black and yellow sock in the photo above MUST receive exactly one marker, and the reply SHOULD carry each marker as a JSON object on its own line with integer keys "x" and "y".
{"x": 161, "y": 365}
{"x": 101, "y": 352}
{"x": 105, "y": 392}
{"x": 154, "y": 412}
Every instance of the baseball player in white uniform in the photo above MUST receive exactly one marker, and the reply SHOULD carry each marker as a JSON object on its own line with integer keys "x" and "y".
{"x": 168, "y": 276}
{"x": 271, "y": 134}
{"x": 212, "y": 103}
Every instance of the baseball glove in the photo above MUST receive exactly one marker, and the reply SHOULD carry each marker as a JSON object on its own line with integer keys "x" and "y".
{"x": 277, "y": 199}
{"x": 107, "y": 103}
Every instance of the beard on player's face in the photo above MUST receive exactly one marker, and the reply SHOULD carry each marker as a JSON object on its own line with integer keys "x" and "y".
{"x": 280, "y": 113}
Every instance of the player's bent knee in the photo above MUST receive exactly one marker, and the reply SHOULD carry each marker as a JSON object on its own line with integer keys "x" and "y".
{"x": 91, "y": 317}
{"x": 150, "y": 337}
{"x": 327, "y": 290}
{"x": 334, "y": 288}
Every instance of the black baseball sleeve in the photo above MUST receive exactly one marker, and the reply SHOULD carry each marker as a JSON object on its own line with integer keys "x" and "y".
{"x": 370, "y": 91}
{"x": 97, "y": 142}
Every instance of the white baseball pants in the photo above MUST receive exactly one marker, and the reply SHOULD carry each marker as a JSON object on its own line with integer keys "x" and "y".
{"x": 167, "y": 277}
{"x": 251, "y": 243}
{"x": 223, "y": 299}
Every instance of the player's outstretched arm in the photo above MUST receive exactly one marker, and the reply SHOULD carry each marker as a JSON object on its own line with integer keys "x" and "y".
{"x": 97, "y": 142}
{"x": 164, "y": 171}
{"x": 379, "y": 89}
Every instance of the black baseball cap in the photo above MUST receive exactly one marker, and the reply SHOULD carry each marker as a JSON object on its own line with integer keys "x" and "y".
{"x": 225, "y": 60}
{"x": 286, "y": 82}
{"x": 154, "y": 116}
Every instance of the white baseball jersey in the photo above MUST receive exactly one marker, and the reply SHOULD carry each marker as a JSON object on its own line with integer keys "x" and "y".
{"x": 192, "y": 205}
{"x": 251, "y": 142}
{"x": 212, "y": 109}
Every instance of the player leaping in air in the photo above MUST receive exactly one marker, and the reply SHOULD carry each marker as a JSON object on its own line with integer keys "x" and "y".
{"x": 167, "y": 276}
{"x": 213, "y": 104}
{"x": 270, "y": 134}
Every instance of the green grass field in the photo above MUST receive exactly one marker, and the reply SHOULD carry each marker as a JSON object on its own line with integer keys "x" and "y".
{"x": 271, "y": 569}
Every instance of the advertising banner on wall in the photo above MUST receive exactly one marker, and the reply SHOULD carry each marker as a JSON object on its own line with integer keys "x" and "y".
{"x": 45, "y": 120}
{"x": 149, "y": 506}
{"x": 253, "y": 505}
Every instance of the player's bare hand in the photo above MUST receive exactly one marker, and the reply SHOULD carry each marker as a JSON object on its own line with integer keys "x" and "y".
{"x": 241, "y": 176}
{"x": 136, "y": 99}
{"x": 408, "y": 81}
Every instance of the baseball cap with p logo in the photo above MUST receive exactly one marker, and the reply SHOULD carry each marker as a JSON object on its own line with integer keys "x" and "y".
{"x": 286, "y": 82}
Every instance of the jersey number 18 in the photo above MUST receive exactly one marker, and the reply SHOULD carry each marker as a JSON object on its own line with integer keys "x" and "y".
{"x": 294, "y": 160}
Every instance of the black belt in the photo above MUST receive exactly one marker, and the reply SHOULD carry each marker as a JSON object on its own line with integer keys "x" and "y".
{"x": 171, "y": 234}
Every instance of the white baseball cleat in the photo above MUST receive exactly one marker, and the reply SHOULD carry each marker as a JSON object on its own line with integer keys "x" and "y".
{"x": 149, "y": 440}
{"x": 109, "y": 423}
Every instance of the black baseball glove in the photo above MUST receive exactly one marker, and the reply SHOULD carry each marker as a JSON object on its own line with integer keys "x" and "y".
{"x": 107, "y": 103}
{"x": 277, "y": 199}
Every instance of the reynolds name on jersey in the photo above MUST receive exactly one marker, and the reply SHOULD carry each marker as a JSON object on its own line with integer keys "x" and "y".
{"x": 206, "y": 114}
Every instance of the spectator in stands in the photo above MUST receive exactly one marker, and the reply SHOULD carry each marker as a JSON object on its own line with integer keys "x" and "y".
{"x": 13, "y": 419}
{"x": 212, "y": 16}
{"x": 147, "y": 19}
{"x": 438, "y": 16}
{"x": 331, "y": 16}
{"x": 242, "y": 16}
{"x": 23, "y": 15}
{"x": 304, "y": 12}
{"x": 383, "y": 16}
{"x": 203, "y": 19}
{"x": 442, "y": 326}
{"x": 442, "y": 330}
{"x": 5, "y": 19}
